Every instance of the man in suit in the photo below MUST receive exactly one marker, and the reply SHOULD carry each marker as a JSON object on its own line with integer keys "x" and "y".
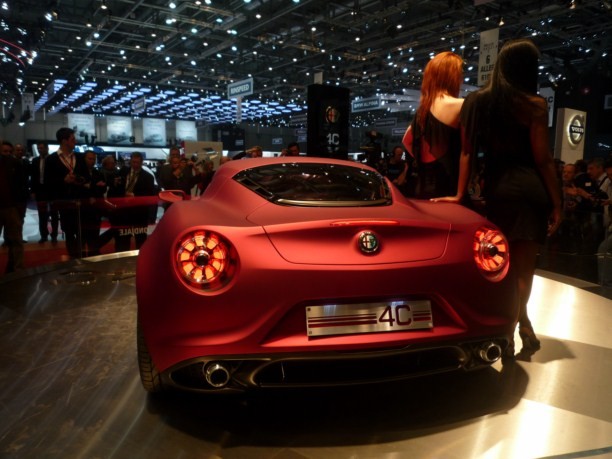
{"x": 94, "y": 188}
{"x": 40, "y": 193}
{"x": 131, "y": 217}
{"x": 64, "y": 178}
{"x": 12, "y": 177}
{"x": 166, "y": 179}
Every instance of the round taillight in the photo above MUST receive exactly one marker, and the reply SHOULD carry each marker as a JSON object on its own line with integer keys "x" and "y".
{"x": 204, "y": 260}
{"x": 491, "y": 253}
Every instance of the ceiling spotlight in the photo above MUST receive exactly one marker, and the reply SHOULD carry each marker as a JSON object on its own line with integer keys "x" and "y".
{"x": 103, "y": 5}
{"x": 172, "y": 5}
{"x": 501, "y": 21}
{"x": 572, "y": 5}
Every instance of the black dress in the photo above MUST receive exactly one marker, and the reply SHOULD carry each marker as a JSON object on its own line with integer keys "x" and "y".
{"x": 515, "y": 195}
{"x": 439, "y": 177}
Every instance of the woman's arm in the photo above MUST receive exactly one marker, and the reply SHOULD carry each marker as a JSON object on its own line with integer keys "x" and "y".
{"x": 465, "y": 170}
{"x": 407, "y": 140}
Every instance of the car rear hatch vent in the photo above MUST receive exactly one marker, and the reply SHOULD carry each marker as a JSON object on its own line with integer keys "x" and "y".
{"x": 295, "y": 372}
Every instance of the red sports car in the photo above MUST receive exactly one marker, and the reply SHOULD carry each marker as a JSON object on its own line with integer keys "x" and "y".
{"x": 308, "y": 271}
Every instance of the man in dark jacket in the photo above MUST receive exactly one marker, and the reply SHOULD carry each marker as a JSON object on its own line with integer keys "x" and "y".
{"x": 131, "y": 217}
{"x": 64, "y": 177}
{"x": 40, "y": 193}
{"x": 12, "y": 177}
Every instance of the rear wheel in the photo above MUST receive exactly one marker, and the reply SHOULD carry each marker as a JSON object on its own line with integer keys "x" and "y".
{"x": 149, "y": 376}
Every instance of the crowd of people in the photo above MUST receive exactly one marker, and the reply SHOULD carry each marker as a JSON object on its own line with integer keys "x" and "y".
{"x": 75, "y": 196}
{"x": 586, "y": 230}
{"x": 88, "y": 205}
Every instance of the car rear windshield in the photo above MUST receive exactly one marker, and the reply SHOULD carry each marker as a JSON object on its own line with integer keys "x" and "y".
{"x": 316, "y": 184}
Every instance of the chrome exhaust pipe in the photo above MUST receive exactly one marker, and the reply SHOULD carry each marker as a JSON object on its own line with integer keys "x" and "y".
{"x": 216, "y": 374}
{"x": 490, "y": 352}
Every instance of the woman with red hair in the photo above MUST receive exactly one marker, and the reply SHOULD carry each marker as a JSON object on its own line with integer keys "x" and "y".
{"x": 433, "y": 138}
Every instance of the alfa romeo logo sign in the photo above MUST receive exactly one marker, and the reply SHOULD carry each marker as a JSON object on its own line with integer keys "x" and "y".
{"x": 368, "y": 242}
{"x": 332, "y": 115}
{"x": 575, "y": 129}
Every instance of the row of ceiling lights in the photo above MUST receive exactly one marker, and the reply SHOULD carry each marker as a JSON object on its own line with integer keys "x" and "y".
{"x": 66, "y": 102}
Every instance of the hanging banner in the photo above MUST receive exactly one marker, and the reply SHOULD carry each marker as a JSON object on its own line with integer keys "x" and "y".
{"x": 139, "y": 105}
{"x": 186, "y": 130}
{"x": 84, "y": 127}
{"x": 364, "y": 105}
{"x": 27, "y": 104}
{"x": 240, "y": 88}
{"x": 118, "y": 130}
{"x": 154, "y": 132}
{"x": 489, "y": 40}
{"x": 549, "y": 95}
{"x": 239, "y": 110}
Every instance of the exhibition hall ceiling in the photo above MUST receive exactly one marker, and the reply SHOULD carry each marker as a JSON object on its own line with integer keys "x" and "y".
{"x": 101, "y": 56}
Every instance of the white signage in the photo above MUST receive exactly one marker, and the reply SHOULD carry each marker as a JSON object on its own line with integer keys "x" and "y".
{"x": 239, "y": 110}
{"x": 186, "y": 130}
{"x": 154, "y": 131}
{"x": 27, "y": 104}
{"x": 240, "y": 88}
{"x": 549, "y": 95}
{"x": 84, "y": 127}
{"x": 569, "y": 138}
{"x": 489, "y": 40}
{"x": 363, "y": 105}
{"x": 118, "y": 130}
{"x": 139, "y": 105}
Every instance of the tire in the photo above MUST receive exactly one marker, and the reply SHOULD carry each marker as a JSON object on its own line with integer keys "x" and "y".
{"x": 149, "y": 376}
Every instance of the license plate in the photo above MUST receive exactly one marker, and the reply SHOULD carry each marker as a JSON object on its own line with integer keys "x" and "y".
{"x": 343, "y": 319}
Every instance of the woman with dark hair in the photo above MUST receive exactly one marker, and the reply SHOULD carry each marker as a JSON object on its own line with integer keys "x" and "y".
{"x": 508, "y": 122}
{"x": 433, "y": 138}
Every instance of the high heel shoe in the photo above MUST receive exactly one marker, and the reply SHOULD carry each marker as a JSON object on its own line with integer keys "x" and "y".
{"x": 529, "y": 338}
{"x": 508, "y": 353}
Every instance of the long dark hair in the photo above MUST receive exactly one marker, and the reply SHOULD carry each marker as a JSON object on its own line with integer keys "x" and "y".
{"x": 512, "y": 85}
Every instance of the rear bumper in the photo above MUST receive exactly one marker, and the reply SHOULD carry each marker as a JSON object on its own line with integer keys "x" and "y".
{"x": 231, "y": 373}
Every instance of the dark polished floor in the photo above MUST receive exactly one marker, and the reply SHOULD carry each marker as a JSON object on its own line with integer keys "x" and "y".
{"x": 70, "y": 388}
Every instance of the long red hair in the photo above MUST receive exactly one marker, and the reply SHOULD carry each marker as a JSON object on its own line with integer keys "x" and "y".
{"x": 443, "y": 74}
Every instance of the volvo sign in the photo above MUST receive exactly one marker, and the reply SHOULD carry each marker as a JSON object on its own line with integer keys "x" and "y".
{"x": 575, "y": 129}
